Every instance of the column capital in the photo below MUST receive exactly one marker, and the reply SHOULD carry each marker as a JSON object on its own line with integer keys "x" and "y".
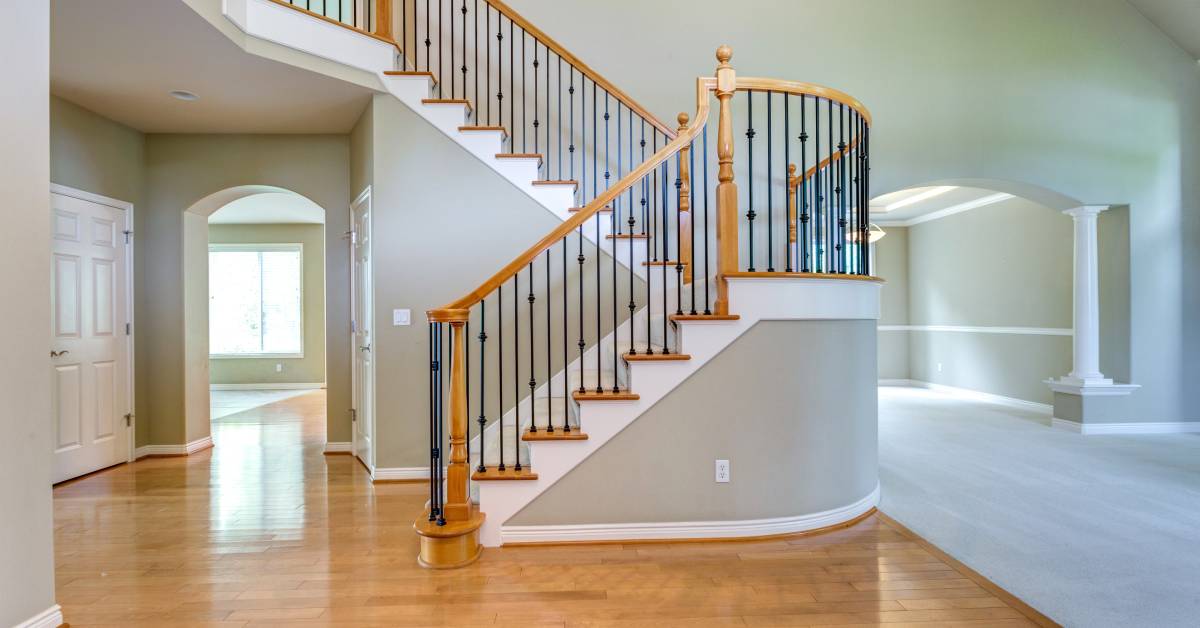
{"x": 1085, "y": 210}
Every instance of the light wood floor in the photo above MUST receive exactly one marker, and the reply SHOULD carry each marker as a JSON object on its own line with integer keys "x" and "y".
{"x": 265, "y": 530}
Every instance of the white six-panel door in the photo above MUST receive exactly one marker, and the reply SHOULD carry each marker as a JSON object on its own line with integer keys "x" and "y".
{"x": 88, "y": 346}
{"x": 364, "y": 327}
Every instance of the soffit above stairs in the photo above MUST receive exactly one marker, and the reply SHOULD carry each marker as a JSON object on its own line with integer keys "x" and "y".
{"x": 1179, "y": 19}
{"x": 120, "y": 58}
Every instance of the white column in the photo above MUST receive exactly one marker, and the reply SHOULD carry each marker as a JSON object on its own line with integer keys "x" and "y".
{"x": 1086, "y": 367}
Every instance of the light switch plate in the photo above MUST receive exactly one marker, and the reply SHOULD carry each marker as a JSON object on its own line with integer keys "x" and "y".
{"x": 722, "y": 471}
{"x": 401, "y": 317}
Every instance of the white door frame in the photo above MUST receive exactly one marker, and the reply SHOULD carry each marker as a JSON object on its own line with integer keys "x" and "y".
{"x": 127, "y": 207}
{"x": 355, "y": 404}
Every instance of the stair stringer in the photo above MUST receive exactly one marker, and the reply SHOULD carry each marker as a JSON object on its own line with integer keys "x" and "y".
{"x": 754, "y": 300}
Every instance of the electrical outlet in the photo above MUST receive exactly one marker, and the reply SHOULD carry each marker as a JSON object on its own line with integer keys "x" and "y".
{"x": 722, "y": 471}
{"x": 401, "y": 317}
{"x": 278, "y": 367}
{"x": 939, "y": 367}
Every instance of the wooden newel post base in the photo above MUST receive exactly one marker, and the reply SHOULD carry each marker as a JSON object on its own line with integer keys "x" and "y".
{"x": 727, "y": 195}
{"x": 456, "y": 543}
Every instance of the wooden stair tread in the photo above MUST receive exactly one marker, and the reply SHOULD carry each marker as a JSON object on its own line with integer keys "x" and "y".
{"x": 412, "y": 73}
{"x": 591, "y": 395}
{"x": 503, "y": 131}
{"x": 626, "y": 236}
{"x": 655, "y": 357}
{"x": 447, "y": 101}
{"x": 570, "y": 182}
{"x": 536, "y": 156}
{"x": 544, "y": 434}
{"x": 509, "y": 473}
{"x": 705, "y": 317}
{"x": 602, "y": 210}
{"x": 663, "y": 263}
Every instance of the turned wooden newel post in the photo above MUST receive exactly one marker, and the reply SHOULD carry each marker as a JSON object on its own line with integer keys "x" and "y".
{"x": 727, "y": 212}
{"x": 452, "y": 540}
{"x": 458, "y": 504}
{"x": 685, "y": 204}
{"x": 383, "y": 18}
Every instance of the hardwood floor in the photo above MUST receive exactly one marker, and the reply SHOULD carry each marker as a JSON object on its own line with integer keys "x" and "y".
{"x": 265, "y": 530}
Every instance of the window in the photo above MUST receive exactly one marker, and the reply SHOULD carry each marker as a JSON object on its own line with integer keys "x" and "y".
{"x": 256, "y": 296}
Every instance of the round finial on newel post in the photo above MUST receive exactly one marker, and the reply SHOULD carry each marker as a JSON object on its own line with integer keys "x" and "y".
{"x": 683, "y": 119}
{"x": 791, "y": 170}
{"x": 724, "y": 54}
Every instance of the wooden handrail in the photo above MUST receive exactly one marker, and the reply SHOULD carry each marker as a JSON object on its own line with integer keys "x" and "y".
{"x": 759, "y": 84}
{"x": 458, "y": 310}
{"x": 584, "y": 68}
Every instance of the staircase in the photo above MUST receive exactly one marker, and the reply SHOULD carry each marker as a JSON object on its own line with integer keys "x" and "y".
{"x": 669, "y": 249}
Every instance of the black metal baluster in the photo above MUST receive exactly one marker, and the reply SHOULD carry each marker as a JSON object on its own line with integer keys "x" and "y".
{"x": 532, "y": 364}
{"x": 632, "y": 292}
{"x": 770, "y": 188}
{"x": 678, "y": 235}
{"x": 428, "y": 41}
{"x": 666, "y": 251}
{"x": 524, "y": 90}
{"x": 841, "y": 190}
{"x": 500, "y": 374}
{"x": 818, "y": 197}
{"x": 582, "y": 344}
{"x": 433, "y": 373}
{"x": 463, "y": 69}
{"x": 649, "y": 184}
{"x": 558, "y": 91}
{"x": 704, "y": 161}
{"x": 692, "y": 216}
{"x": 787, "y": 183}
{"x": 549, "y": 361}
{"x": 613, "y": 217}
{"x": 566, "y": 308}
{"x": 441, "y": 52}
{"x": 642, "y": 145}
{"x": 571, "y": 124}
{"x": 750, "y": 168}
{"x": 512, "y": 92}
{"x": 516, "y": 372}
{"x": 802, "y": 193}
{"x": 536, "y": 122}
{"x": 482, "y": 382}
{"x": 475, "y": 28}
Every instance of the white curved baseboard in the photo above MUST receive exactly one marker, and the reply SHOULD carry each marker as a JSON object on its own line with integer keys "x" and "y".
{"x": 689, "y": 529}
{"x": 49, "y": 618}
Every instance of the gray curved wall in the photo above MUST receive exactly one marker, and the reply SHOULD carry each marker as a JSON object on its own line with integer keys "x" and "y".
{"x": 794, "y": 411}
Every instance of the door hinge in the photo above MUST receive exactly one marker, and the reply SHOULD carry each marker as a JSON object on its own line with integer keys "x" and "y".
{"x": 353, "y": 414}
{"x": 128, "y": 420}
{"x": 128, "y": 328}
{"x": 353, "y": 326}
{"x": 128, "y": 236}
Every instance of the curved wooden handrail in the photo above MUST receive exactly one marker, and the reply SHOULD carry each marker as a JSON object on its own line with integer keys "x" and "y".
{"x": 459, "y": 309}
{"x": 587, "y": 70}
{"x": 796, "y": 87}
{"x": 794, "y": 181}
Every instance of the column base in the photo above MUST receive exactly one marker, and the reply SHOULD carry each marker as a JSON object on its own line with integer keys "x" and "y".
{"x": 449, "y": 546}
{"x": 1085, "y": 387}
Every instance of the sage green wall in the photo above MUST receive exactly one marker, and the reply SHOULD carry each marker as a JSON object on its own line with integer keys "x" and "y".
{"x": 800, "y": 436}
{"x": 1003, "y": 265}
{"x": 891, "y": 263}
{"x": 362, "y": 151}
{"x": 182, "y": 169}
{"x": 988, "y": 91}
{"x": 26, "y": 509}
{"x": 309, "y": 369}
{"x": 92, "y": 153}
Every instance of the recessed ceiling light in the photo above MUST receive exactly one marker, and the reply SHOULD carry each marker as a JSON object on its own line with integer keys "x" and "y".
{"x": 184, "y": 95}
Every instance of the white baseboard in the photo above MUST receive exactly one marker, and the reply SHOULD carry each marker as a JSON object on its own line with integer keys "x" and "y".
{"x": 269, "y": 386}
{"x": 689, "y": 529}
{"x": 394, "y": 474}
{"x": 188, "y": 449}
{"x": 974, "y": 395}
{"x": 50, "y": 618}
{"x": 339, "y": 448}
{"x": 1175, "y": 427}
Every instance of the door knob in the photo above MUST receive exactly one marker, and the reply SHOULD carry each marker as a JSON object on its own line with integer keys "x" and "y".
{"x": 55, "y": 354}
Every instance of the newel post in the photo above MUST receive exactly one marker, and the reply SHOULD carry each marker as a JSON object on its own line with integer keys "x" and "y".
{"x": 383, "y": 18}
{"x": 685, "y": 204}
{"x": 458, "y": 506}
{"x": 727, "y": 195}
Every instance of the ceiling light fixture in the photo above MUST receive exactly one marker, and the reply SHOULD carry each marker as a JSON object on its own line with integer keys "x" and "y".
{"x": 184, "y": 95}
{"x": 874, "y": 234}
{"x": 917, "y": 198}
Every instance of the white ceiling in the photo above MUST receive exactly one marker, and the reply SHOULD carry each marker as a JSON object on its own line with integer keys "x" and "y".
{"x": 120, "y": 58}
{"x": 1179, "y": 19}
{"x": 914, "y": 205}
{"x": 269, "y": 208}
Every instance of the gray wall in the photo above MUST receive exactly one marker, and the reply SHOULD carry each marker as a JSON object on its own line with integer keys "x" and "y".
{"x": 182, "y": 169}
{"x": 800, "y": 436}
{"x": 311, "y": 367}
{"x": 997, "y": 108}
{"x": 891, "y": 263}
{"x": 26, "y": 515}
